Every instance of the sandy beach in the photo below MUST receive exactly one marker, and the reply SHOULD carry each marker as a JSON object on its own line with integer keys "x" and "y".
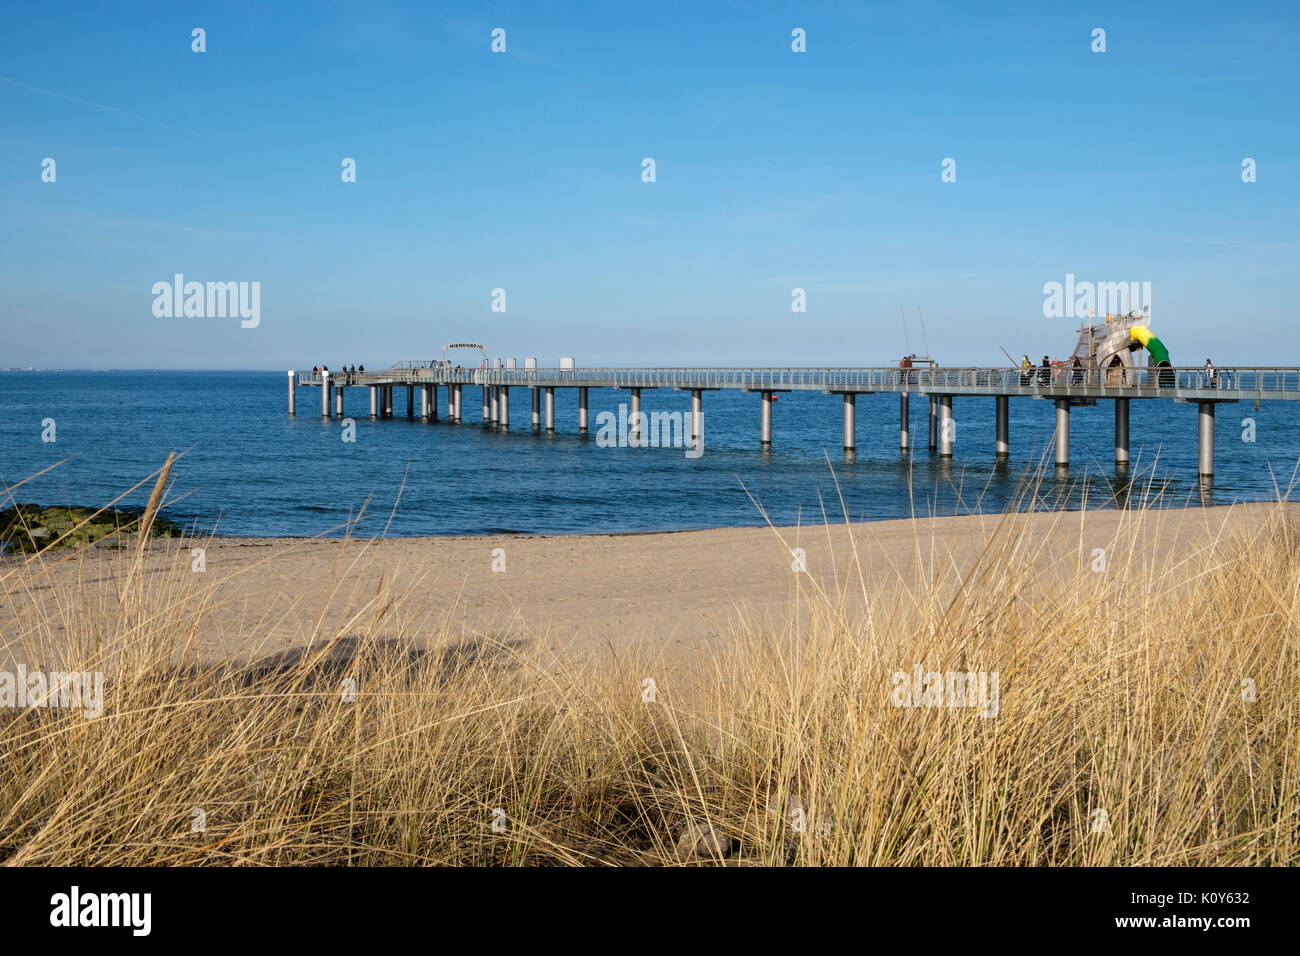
{"x": 667, "y": 699}
{"x": 675, "y": 593}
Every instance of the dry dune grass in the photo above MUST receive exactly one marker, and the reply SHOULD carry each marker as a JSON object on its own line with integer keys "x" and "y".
{"x": 1123, "y": 733}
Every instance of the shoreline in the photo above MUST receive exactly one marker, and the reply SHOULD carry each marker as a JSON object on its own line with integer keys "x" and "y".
{"x": 1109, "y": 508}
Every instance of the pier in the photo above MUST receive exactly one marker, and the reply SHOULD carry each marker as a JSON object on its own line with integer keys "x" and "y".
{"x": 1065, "y": 388}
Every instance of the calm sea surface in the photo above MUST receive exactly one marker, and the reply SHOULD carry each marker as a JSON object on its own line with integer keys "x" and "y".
{"x": 252, "y": 470}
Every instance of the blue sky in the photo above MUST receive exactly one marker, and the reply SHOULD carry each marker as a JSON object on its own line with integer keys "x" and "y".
{"x": 522, "y": 170}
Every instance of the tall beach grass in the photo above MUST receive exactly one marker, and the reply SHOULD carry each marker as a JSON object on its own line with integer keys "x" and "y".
{"x": 1147, "y": 714}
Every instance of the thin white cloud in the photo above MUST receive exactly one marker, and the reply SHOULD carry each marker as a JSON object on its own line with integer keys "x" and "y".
{"x": 100, "y": 106}
{"x": 107, "y": 224}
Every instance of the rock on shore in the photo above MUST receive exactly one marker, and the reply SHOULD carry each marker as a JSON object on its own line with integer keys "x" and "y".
{"x": 27, "y": 528}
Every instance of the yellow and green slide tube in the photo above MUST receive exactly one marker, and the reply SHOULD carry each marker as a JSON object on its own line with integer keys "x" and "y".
{"x": 1143, "y": 337}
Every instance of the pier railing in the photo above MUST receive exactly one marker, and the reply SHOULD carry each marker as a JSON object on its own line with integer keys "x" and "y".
{"x": 1232, "y": 383}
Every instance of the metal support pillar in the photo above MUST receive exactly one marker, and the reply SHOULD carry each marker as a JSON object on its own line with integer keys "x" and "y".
{"x": 697, "y": 413}
{"x": 765, "y": 430}
{"x": 1062, "y": 433}
{"x": 850, "y": 421}
{"x": 904, "y": 421}
{"x": 634, "y": 419}
{"x": 550, "y": 408}
{"x": 293, "y": 397}
{"x": 934, "y": 422}
{"x": 947, "y": 427}
{"x": 1121, "y": 431}
{"x": 1205, "y": 444}
{"x": 374, "y": 401}
{"x": 537, "y": 407}
{"x": 325, "y": 395}
{"x": 1003, "y": 426}
{"x": 582, "y": 409}
{"x": 503, "y": 406}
